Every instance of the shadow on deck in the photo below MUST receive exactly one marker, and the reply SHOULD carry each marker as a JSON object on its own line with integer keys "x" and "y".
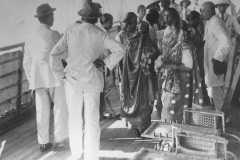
{"x": 117, "y": 141}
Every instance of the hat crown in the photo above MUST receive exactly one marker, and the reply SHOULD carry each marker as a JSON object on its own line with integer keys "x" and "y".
{"x": 222, "y": 2}
{"x": 44, "y": 8}
{"x": 186, "y": 1}
{"x": 90, "y": 10}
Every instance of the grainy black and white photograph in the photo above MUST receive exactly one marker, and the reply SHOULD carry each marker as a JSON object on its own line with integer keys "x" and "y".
{"x": 120, "y": 80}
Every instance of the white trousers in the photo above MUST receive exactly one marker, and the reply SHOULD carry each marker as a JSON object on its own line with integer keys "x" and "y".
{"x": 76, "y": 97}
{"x": 44, "y": 98}
{"x": 217, "y": 94}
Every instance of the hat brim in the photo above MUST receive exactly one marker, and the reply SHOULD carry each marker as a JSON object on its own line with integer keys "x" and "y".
{"x": 91, "y": 17}
{"x": 40, "y": 15}
{"x": 188, "y": 3}
{"x": 222, "y": 3}
{"x": 156, "y": 2}
{"x": 87, "y": 17}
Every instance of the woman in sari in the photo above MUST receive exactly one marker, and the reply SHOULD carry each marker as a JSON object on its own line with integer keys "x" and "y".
{"x": 138, "y": 94}
{"x": 179, "y": 78}
{"x": 130, "y": 20}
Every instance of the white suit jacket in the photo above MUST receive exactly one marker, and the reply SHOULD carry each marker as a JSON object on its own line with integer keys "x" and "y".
{"x": 36, "y": 57}
{"x": 84, "y": 44}
{"x": 217, "y": 45}
{"x": 231, "y": 23}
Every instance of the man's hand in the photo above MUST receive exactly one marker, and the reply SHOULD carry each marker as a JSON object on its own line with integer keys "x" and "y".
{"x": 99, "y": 64}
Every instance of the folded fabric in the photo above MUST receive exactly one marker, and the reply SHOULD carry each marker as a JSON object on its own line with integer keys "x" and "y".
{"x": 219, "y": 67}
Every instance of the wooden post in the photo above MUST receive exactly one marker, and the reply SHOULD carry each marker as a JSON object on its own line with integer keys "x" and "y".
{"x": 2, "y": 147}
{"x": 231, "y": 80}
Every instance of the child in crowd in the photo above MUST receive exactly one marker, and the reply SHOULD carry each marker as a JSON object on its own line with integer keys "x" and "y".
{"x": 185, "y": 11}
{"x": 141, "y": 12}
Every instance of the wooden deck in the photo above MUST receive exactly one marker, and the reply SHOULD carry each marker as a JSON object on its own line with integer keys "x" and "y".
{"x": 117, "y": 141}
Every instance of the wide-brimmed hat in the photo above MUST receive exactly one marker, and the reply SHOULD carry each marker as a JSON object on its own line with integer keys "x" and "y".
{"x": 222, "y": 2}
{"x": 154, "y": 2}
{"x": 188, "y": 2}
{"x": 44, "y": 9}
{"x": 90, "y": 11}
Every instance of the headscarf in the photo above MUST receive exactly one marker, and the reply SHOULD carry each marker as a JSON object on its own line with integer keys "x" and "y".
{"x": 127, "y": 19}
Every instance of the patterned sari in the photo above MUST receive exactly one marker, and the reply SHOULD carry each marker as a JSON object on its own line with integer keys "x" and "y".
{"x": 179, "y": 88}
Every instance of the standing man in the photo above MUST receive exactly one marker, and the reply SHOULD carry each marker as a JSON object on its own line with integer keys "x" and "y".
{"x": 233, "y": 28}
{"x": 42, "y": 80}
{"x": 217, "y": 47}
{"x": 83, "y": 78}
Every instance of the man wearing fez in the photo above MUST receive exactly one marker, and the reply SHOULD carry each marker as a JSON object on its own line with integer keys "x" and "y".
{"x": 42, "y": 80}
{"x": 83, "y": 77}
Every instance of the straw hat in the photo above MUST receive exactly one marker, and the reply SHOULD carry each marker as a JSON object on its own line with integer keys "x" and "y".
{"x": 154, "y": 2}
{"x": 44, "y": 9}
{"x": 222, "y": 2}
{"x": 187, "y": 1}
{"x": 90, "y": 11}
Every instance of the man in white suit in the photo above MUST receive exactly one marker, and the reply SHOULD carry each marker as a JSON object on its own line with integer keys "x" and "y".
{"x": 42, "y": 80}
{"x": 83, "y": 77}
{"x": 217, "y": 47}
{"x": 233, "y": 27}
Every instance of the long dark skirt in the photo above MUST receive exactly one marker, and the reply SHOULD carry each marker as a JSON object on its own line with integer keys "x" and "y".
{"x": 141, "y": 119}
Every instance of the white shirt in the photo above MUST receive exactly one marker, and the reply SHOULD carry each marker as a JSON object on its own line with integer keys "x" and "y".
{"x": 85, "y": 43}
{"x": 217, "y": 46}
{"x": 36, "y": 57}
{"x": 230, "y": 22}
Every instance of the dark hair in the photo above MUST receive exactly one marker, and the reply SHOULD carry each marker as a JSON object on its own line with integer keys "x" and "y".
{"x": 195, "y": 14}
{"x": 177, "y": 21}
{"x": 166, "y": 2}
{"x": 174, "y": 13}
{"x": 195, "y": 18}
{"x": 105, "y": 18}
{"x": 127, "y": 18}
{"x": 152, "y": 16}
{"x": 140, "y": 7}
{"x": 91, "y": 21}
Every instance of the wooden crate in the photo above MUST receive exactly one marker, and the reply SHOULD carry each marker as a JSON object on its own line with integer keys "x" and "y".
{"x": 205, "y": 146}
{"x": 149, "y": 154}
{"x": 204, "y": 118}
{"x": 14, "y": 87}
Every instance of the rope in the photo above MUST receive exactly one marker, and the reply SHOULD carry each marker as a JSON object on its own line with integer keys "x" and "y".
{"x": 231, "y": 155}
{"x": 234, "y": 136}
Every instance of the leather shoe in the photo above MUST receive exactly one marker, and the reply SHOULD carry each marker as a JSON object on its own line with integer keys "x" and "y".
{"x": 45, "y": 147}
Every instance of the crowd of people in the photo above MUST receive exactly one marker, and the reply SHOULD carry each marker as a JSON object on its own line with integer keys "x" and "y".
{"x": 168, "y": 57}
